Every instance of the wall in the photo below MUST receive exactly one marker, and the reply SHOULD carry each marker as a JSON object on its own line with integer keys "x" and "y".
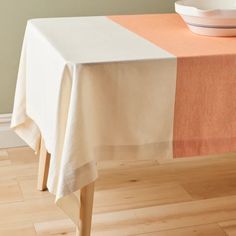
{"x": 14, "y": 14}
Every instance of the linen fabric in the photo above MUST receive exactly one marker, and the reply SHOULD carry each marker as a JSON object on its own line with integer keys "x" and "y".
{"x": 93, "y": 90}
{"x": 204, "y": 121}
{"x": 131, "y": 87}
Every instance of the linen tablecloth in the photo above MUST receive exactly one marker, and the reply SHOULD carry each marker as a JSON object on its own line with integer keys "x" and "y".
{"x": 122, "y": 87}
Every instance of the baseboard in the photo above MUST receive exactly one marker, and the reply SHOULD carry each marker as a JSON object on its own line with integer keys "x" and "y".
{"x": 8, "y": 138}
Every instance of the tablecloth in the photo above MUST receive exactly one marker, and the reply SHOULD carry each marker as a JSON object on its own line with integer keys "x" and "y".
{"x": 138, "y": 86}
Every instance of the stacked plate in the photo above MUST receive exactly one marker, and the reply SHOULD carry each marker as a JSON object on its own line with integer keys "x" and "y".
{"x": 209, "y": 17}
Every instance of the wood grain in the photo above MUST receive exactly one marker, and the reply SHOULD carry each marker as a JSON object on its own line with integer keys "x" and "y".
{"x": 201, "y": 230}
{"x": 188, "y": 197}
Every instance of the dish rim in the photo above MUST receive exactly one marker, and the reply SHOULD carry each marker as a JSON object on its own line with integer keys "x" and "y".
{"x": 182, "y": 8}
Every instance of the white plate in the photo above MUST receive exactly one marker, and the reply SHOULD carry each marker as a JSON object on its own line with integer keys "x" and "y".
{"x": 209, "y": 17}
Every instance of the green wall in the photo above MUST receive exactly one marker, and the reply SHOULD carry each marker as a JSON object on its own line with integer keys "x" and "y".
{"x": 14, "y": 14}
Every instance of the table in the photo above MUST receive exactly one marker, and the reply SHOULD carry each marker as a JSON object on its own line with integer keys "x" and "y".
{"x": 137, "y": 86}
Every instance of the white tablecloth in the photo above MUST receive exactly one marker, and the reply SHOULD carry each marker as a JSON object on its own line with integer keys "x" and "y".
{"x": 92, "y": 89}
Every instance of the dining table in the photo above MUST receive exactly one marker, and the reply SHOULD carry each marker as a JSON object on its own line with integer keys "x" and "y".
{"x": 130, "y": 87}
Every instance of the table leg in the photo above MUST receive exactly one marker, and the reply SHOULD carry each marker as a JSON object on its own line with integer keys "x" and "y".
{"x": 86, "y": 210}
{"x": 44, "y": 162}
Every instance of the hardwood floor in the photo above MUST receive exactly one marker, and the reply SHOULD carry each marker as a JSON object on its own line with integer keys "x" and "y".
{"x": 187, "y": 197}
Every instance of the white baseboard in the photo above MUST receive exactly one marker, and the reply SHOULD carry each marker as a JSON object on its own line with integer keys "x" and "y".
{"x": 8, "y": 138}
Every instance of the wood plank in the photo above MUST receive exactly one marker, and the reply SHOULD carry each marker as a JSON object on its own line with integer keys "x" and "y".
{"x": 3, "y": 153}
{"x": 35, "y": 210}
{"x": 18, "y": 171}
{"x": 229, "y": 227}
{"x": 29, "y": 189}
{"x": 22, "y": 163}
{"x": 139, "y": 194}
{"x": 180, "y": 172}
{"x": 4, "y": 162}
{"x": 125, "y": 164}
{"x": 21, "y": 156}
{"x": 171, "y": 216}
{"x": 22, "y": 229}
{"x": 211, "y": 188}
{"x": 10, "y": 191}
{"x": 4, "y": 159}
{"x": 55, "y": 228}
{"x": 203, "y": 230}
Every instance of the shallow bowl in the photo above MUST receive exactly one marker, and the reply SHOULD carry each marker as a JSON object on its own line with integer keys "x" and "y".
{"x": 209, "y": 17}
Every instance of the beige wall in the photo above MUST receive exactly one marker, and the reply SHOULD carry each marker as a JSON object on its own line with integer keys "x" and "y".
{"x": 14, "y": 14}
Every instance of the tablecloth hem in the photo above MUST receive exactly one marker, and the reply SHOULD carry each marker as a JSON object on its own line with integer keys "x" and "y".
{"x": 29, "y": 132}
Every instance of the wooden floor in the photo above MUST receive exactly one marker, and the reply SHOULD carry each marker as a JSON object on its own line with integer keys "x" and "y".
{"x": 194, "y": 197}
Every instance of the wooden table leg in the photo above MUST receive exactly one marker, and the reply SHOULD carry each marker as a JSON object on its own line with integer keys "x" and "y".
{"x": 86, "y": 210}
{"x": 44, "y": 162}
